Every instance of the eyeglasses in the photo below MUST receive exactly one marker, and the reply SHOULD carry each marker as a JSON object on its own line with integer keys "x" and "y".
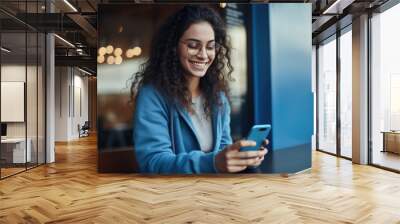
{"x": 194, "y": 47}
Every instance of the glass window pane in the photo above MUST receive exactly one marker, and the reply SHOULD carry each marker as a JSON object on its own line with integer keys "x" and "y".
{"x": 346, "y": 94}
{"x": 14, "y": 151}
{"x": 386, "y": 89}
{"x": 23, "y": 87}
{"x": 32, "y": 87}
{"x": 327, "y": 96}
{"x": 41, "y": 98}
{"x": 31, "y": 97}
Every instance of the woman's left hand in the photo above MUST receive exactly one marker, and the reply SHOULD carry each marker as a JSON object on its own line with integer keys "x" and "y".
{"x": 261, "y": 158}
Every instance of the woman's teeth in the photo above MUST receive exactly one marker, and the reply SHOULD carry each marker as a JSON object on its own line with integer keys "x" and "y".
{"x": 198, "y": 64}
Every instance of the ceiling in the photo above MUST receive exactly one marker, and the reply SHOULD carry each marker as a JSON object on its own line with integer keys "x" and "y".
{"x": 332, "y": 15}
{"x": 76, "y": 21}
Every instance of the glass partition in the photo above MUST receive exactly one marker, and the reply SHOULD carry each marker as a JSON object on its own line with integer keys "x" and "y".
{"x": 31, "y": 98}
{"x": 13, "y": 105}
{"x": 327, "y": 96}
{"x": 41, "y": 96}
{"x": 385, "y": 89}
{"x": 22, "y": 100}
{"x": 346, "y": 93}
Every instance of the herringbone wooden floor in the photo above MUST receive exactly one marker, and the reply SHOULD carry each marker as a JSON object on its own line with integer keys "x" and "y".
{"x": 71, "y": 191}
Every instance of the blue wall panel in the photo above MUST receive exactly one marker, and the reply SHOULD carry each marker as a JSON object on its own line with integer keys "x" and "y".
{"x": 281, "y": 55}
{"x": 260, "y": 59}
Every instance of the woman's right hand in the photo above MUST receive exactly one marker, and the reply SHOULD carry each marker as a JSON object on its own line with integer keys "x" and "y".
{"x": 232, "y": 160}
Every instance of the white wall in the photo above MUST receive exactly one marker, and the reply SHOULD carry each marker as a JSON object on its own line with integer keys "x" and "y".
{"x": 71, "y": 93}
{"x": 80, "y": 100}
{"x": 61, "y": 103}
{"x": 16, "y": 73}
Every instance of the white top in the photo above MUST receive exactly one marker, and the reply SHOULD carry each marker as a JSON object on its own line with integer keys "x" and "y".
{"x": 202, "y": 124}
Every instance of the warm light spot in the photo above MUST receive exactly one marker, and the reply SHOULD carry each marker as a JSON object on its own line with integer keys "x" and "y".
{"x": 118, "y": 60}
{"x": 110, "y": 60}
{"x": 110, "y": 49}
{"x": 137, "y": 51}
{"x": 102, "y": 51}
{"x": 118, "y": 52}
{"x": 129, "y": 53}
{"x": 100, "y": 59}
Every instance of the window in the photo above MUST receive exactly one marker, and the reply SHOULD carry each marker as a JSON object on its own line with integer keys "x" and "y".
{"x": 22, "y": 65}
{"x": 385, "y": 88}
{"x": 346, "y": 93}
{"x": 327, "y": 96}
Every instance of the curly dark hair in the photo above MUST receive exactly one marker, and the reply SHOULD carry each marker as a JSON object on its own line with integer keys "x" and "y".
{"x": 164, "y": 71}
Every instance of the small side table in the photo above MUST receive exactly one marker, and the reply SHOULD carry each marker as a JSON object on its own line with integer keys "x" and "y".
{"x": 391, "y": 141}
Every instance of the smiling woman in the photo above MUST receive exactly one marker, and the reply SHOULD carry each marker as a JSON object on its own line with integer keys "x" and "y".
{"x": 182, "y": 110}
{"x": 193, "y": 59}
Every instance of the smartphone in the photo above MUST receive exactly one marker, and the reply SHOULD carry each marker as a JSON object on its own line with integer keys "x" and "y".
{"x": 258, "y": 133}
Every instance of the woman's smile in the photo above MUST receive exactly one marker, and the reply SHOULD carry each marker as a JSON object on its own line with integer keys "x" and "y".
{"x": 199, "y": 65}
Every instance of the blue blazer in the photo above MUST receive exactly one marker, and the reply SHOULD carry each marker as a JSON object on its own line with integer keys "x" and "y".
{"x": 165, "y": 140}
